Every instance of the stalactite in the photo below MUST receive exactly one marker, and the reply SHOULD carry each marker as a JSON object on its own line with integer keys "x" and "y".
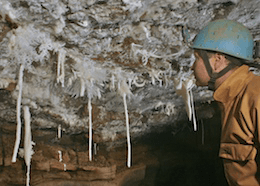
{"x": 27, "y": 142}
{"x": 18, "y": 114}
{"x": 60, "y": 155}
{"x": 59, "y": 131}
{"x": 60, "y": 67}
{"x": 95, "y": 148}
{"x": 193, "y": 109}
{"x": 82, "y": 87}
{"x": 90, "y": 129}
{"x": 184, "y": 88}
{"x": 127, "y": 132}
{"x": 113, "y": 82}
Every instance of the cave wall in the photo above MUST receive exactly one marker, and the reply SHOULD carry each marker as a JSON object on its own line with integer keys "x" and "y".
{"x": 73, "y": 52}
{"x": 63, "y": 59}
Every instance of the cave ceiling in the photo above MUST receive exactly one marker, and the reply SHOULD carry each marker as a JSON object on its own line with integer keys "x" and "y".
{"x": 66, "y": 58}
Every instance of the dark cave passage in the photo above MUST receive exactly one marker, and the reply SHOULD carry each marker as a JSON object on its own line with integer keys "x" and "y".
{"x": 187, "y": 158}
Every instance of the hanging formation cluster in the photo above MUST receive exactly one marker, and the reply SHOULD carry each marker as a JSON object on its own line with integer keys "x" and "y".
{"x": 30, "y": 46}
{"x": 65, "y": 54}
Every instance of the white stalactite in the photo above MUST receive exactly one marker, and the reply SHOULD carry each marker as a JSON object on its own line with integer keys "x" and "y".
{"x": 60, "y": 67}
{"x": 59, "y": 131}
{"x": 58, "y": 70}
{"x": 184, "y": 88}
{"x": 82, "y": 87}
{"x": 28, "y": 176}
{"x": 127, "y": 132}
{"x": 18, "y": 114}
{"x": 95, "y": 148}
{"x": 113, "y": 82}
{"x": 60, "y": 155}
{"x": 90, "y": 128}
{"x": 193, "y": 110}
{"x": 27, "y": 142}
{"x": 124, "y": 90}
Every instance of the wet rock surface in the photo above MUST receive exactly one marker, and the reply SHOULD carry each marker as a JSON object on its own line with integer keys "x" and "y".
{"x": 74, "y": 52}
{"x": 57, "y": 56}
{"x": 186, "y": 158}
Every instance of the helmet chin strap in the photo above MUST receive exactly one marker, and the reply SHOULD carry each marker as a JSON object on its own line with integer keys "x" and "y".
{"x": 213, "y": 76}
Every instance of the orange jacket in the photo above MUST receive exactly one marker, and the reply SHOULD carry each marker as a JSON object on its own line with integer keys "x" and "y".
{"x": 239, "y": 102}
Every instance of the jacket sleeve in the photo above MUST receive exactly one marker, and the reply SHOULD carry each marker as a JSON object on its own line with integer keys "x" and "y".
{"x": 256, "y": 120}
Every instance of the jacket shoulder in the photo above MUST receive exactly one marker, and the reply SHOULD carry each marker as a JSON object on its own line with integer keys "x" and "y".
{"x": 253, "y": 88}
{"x": 254, "y": 83}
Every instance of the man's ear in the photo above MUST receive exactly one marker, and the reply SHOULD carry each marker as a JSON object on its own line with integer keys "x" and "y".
{"x": 219, "y": 62}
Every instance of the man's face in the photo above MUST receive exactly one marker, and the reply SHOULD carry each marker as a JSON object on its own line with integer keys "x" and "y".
{"x": 200, "y": 72}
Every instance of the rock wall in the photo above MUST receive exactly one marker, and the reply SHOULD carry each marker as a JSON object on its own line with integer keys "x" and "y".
{"x": 68, "y": 60}
{"x": 73, "y": 52}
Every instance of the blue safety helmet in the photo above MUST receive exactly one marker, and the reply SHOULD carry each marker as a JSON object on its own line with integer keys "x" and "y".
{"x": 226, "y": 36}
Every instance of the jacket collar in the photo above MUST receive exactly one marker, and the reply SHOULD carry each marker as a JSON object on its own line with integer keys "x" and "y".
{"x": 231, "y": 87}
